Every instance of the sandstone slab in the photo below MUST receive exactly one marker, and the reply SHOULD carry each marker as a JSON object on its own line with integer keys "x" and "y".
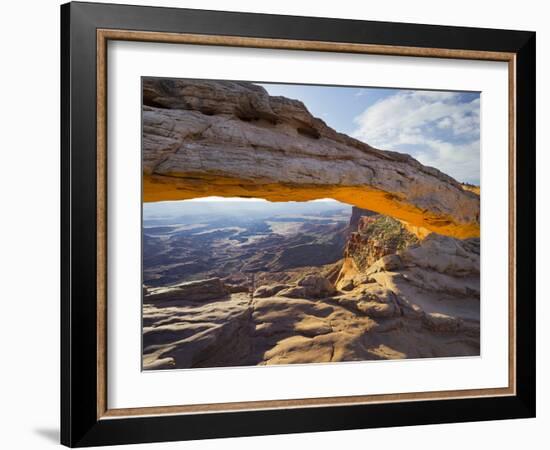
{"x": 193, "y": 291}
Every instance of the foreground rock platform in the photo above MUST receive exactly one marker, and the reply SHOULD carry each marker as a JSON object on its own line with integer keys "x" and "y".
{"x": 421, "y": 302}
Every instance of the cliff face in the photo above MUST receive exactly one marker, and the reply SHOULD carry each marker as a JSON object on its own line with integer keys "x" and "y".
{"x": 377, "y": 243}
{"x": 204, "y": 138}
{"x": 376, "y": 236}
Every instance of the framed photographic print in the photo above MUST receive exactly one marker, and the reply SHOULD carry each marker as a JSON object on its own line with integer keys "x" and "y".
{"x": 276, "y": 224}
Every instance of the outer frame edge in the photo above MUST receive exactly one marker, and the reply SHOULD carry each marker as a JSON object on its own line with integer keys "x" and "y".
{"x": 526, "y": 223}
{"x": 65, "y": 333}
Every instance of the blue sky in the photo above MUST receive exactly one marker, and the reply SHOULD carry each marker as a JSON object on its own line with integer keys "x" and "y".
{"x": 439, "y": 128}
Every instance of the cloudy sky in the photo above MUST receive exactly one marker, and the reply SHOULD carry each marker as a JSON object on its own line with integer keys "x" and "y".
{"x": 440, "y": 129}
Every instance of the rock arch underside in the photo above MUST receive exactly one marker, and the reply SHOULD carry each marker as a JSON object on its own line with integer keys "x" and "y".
{"x": 407, "y": 283}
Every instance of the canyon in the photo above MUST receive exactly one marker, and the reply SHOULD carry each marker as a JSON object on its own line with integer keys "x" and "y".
{"x": 391, "y": 295}
{"x": 389, "y": 269}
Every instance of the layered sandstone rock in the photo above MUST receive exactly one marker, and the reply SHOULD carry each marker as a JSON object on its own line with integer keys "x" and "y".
{"x": 270, "y": 290}
{"x": 434, "y": 275}
{"x": 311, "y": 286}
{"x": 192, "y": 291}
{"x": 284, "y": 330}
{"x": 440, "y": 275}
{"x": 224, "y": 138}
{"x": 376, "y": 237}
{"x": 420, "y": 302}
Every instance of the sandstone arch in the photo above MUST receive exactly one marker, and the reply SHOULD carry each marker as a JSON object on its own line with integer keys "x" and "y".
{"x": 203, "y": 138}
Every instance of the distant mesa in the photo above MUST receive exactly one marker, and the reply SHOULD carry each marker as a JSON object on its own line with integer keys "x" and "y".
{"x": 231, "y": 139}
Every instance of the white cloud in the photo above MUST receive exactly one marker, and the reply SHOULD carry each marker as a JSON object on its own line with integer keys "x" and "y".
{"x": 437, "y": 128}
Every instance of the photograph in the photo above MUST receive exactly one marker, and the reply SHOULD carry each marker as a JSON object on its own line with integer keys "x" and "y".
{"x": 302, "y": 223}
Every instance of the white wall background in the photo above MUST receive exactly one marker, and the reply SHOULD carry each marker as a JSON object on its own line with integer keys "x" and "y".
{"x": 29, "y": 224}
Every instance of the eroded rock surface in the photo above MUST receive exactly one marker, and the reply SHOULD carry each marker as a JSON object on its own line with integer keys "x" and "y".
{"x": 420, "y": 302}
{"x": 224, "y": 138}
{"x": 375, "y": 237}
{"x": 311, "y": 287}
{"x": 191, "y": 291}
